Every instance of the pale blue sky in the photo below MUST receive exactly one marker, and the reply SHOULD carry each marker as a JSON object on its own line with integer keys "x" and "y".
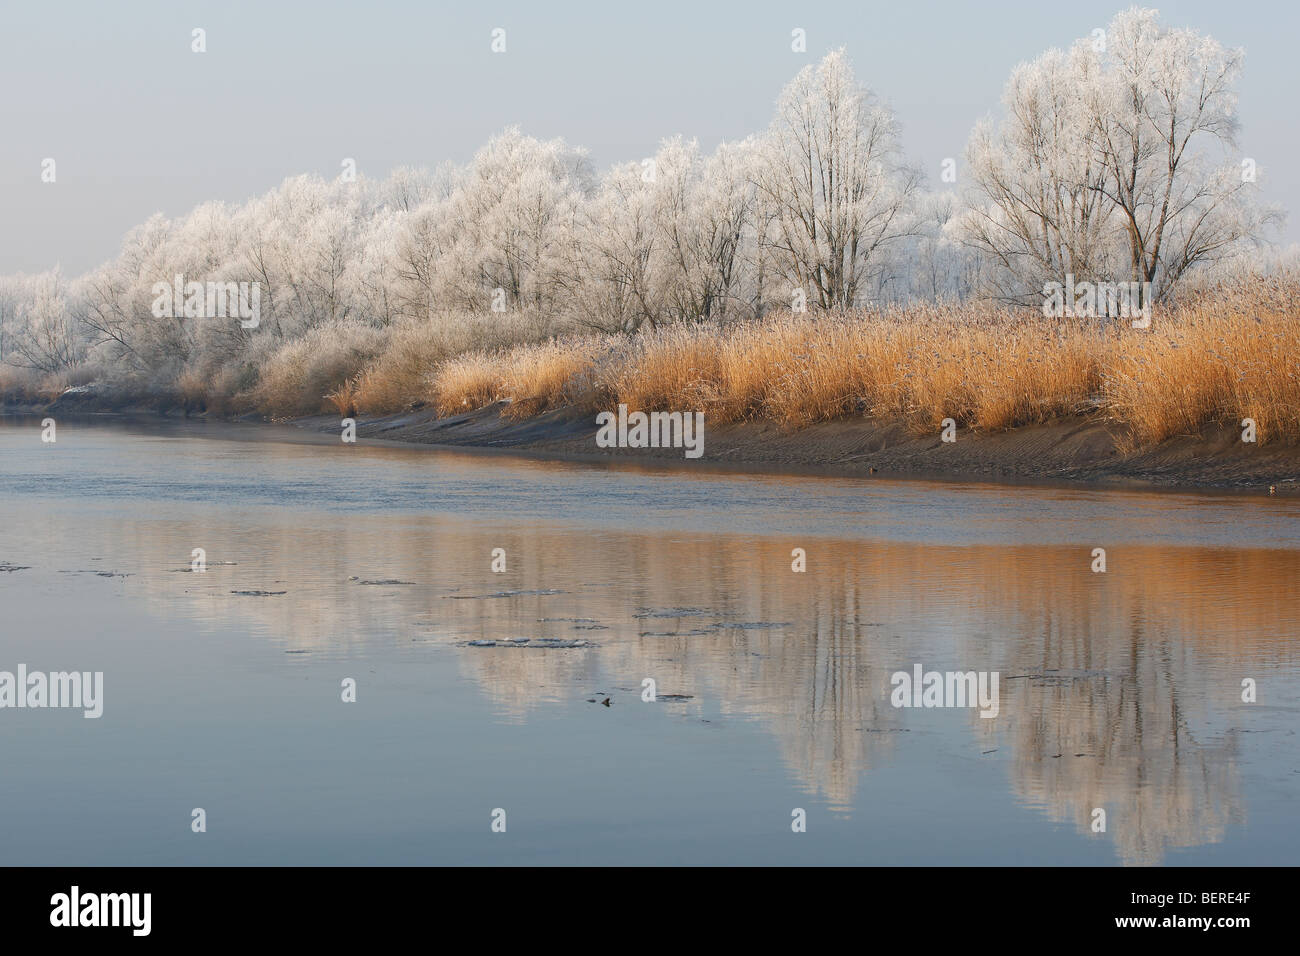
{"x": 138, "y": 124}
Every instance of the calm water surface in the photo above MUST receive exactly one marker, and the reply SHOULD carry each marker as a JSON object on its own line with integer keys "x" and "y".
{"x": 1119, "y": 691}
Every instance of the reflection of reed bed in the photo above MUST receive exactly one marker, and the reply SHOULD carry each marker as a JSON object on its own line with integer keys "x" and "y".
{"x": 1156, "y": 643}
{"x": 1225, "y": 602}
{"x": 1215, "y": 360}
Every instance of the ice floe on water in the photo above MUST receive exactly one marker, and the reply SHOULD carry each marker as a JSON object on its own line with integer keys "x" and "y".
{"x": 712, "y": 628}
{"x": 503, "y": 594}
{"x": 530, "y": 642}
{"x": 644, "y": 612}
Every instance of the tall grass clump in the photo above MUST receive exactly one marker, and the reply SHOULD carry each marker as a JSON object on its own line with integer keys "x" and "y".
{"x": 399, "y": 376}
{"x": 296, "y": 378}
{"x": 562, "y": 374}
{"x": 533, "y": 378}
{"x": 467, "y": 382}
{"x": 1217, "y": 360}
{"x": 18, "y": 385}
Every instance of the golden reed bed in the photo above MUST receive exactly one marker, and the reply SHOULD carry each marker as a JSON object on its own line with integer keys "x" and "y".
{"x": 1225, "y": 357}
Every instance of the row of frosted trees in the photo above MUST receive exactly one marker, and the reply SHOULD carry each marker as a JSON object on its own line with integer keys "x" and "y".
{"x": 1112, "y": 161}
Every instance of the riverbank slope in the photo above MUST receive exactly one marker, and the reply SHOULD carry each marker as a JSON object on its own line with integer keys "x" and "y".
{"x": 1082, "y": 449}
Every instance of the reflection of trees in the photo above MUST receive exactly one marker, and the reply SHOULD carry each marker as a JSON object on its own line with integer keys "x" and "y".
{"x": 1114, "y": 733}
{"x": 1124, "y": 667}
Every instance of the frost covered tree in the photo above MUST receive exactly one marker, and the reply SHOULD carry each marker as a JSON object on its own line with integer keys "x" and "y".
{"x": 1161, "y": 103}
{"x": 833, "y": 176}
{"x": 1036, "y": 208}
{"x": 301, "y": 243}
{"x": 42, "y": 336}
{"x": 1112, "y": 162}
{"x": 930, "y": 265}
{"x": 375, "y": 277}
{"x": 671, "y": 238}
{"x": 513, "y": 213}
{"x": 703, "y": 213}
{"x": 612, "y": 260}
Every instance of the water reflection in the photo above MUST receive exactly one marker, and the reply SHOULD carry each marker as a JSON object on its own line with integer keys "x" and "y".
{"x": 1120, "y": 690}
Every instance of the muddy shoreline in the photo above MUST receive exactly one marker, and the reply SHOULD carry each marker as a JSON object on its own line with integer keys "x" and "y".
{"x": 1077, "y": 451}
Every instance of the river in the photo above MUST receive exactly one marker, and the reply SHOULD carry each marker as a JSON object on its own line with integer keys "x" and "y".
{"x": 1120, "y": 691}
